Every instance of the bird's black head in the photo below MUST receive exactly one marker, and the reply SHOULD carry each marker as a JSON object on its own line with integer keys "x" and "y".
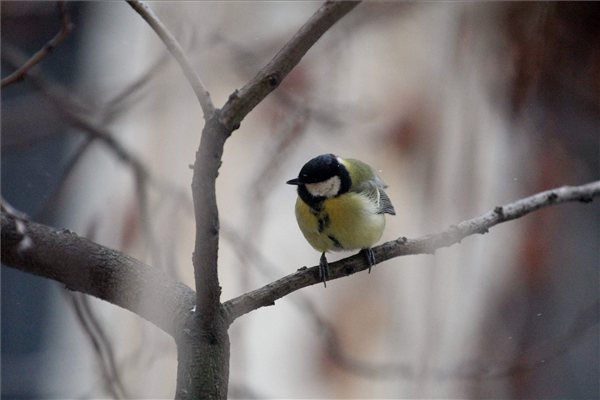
{"x": 323, "y": 176}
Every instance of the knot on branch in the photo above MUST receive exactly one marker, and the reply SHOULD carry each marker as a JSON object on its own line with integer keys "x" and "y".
{"x": 273, "y": 80}
{"x": 234, "y": 95}
{"x": 499, "y": 211}
{"x": 15, "y": 236}
{"x": 348, "y": 270}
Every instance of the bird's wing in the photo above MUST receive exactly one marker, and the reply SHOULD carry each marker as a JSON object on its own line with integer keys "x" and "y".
{"x": 374, "y": 191}
{"x": 365, "y": 180}
{"x": 385, "y": 204}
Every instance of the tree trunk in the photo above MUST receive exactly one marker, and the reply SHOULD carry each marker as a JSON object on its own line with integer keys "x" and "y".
{"x": 203, "y": 360}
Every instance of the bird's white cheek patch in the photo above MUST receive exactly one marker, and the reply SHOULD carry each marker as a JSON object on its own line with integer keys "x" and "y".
{"x": 327, "y": 188}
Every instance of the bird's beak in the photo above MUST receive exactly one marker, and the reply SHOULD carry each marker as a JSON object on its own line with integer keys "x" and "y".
{"x": 294, "y": 181}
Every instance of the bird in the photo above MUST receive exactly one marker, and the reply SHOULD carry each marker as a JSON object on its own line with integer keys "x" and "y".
{"x": 341, "y": 205}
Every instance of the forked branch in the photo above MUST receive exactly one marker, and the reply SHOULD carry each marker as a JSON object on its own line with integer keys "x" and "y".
{"x": 241, "y": 102}
{"x": 66, "y": 26}
{"x": 84, "y": 266}
{"x": 177, "y": 52}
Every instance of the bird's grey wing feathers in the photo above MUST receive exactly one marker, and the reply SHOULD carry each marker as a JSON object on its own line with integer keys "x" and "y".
{"x": 374, "y": 191}
{"x": 385, "y": 204}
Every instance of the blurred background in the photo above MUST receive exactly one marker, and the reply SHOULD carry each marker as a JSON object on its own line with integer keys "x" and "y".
{"x": 460, "y": 106}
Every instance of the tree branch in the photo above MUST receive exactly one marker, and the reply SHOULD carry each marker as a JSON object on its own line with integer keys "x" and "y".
{"x": 206, "y": 248}
{"x": 74, "y": 111}
{"x": 428, "y": 244}
{"x": 532, "y": 358}
{"x": 65, "y": 28}
{"x": 67, "y": 105}
{"x": 90, "y": 268}
{"x": 241, "y": 102}
{"x": 175, "y": 49}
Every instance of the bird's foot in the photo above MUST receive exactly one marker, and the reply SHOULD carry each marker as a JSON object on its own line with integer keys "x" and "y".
{"x": 324, "y": 270}
{"x": 370, "y": 256}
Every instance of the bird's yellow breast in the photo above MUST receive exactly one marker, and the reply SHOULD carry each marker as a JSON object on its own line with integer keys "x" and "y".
{"x": 345, "y": 222}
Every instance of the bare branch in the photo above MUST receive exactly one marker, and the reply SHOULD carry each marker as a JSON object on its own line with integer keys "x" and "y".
{"x": 90, "y": 268}
{"x": 132, "y": 92}
{"x": 65, "y": 28}
{"x": 73, "y": 110}
{"x": 175, "y": 49}
{"x": 324, "y": 112}
{"x": 72, "y": 162}
{"x": 68, "y": 106}
{"x": 343, "y": 359}
{"x": 531, "y": 358}
{"x": 100, "y": 343}
{"x": 206, "y": 247}
{"x": 428, "y": 244}
{"x": 241, "y": 102}
{"x": 550, "y": 349}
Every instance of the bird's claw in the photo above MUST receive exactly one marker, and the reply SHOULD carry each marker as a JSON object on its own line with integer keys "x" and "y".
{"x": 370, "y": 256}
{"x": 324, "y": 269}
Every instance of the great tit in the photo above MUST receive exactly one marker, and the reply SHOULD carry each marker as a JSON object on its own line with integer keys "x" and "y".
{"x": 340, "y": 206}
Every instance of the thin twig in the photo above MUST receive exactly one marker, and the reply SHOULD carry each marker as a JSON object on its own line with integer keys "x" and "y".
{"x": 101, "y": 345}
{"x": 134, "y": 90}
{"x": 65, "y": 173}
{"x": 69, "y": 108}
{"x": 263, "y": 182}
{"x": 324, "y": 112}
{"x": 267, "y": 295}
{"x": 66, "y": 27}
{"x": 532, "y": 358}
{"x": 177, "y": 51}
{"x": 72, "y": 109}
{"x": 241, "y": 102}
{"x": 344, "y": 360}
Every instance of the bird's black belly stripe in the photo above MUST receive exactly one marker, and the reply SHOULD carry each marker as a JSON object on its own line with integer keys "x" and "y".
{"x": 336, "y": 242}
{"x": 323, "y": 222}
